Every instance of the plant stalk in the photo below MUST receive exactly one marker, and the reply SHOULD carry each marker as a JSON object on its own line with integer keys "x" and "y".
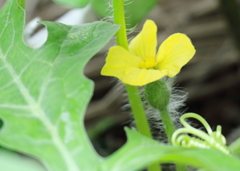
{"x": 138, "y": 111}
{"x": 168, "y": 123}
{"x": 169, "y": 129}
{"x": 132, "y": 91}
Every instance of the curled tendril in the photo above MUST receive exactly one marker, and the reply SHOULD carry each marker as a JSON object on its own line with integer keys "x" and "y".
{"x": 211, "y": 139}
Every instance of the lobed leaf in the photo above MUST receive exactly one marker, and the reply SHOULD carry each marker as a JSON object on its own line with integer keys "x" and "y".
{"x": 43, "y": 92}
{"x": 141, "y": 151}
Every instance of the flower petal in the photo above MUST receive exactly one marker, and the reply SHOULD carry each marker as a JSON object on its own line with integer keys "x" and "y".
{"x": 117, "y": 61}
{"x": 174, "y": 53}
{"x": 140, "y": 77}
{"x": 144, "y": 44}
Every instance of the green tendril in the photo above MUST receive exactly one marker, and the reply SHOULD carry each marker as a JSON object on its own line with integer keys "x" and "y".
{"x": 211, "y": 139}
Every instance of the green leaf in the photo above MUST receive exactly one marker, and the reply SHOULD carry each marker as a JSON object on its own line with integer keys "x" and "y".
{"x": 10, "y": 161}
{"x": 235, "y": 147}
{"x": 43, "y": 92}
{"x": 141, "y": 151}
{"x": 72, "y": 3}
{"x": 136, "y": 10}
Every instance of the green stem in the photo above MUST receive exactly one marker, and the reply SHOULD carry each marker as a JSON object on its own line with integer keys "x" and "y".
{"x": 169, "y": 129}
{"x": 21, "y": 3}
{"x": 167, "y": 122}
{"x": 132, "y": 91}
{"x": 118, "y": 12}
{"x": 138, "y": 110}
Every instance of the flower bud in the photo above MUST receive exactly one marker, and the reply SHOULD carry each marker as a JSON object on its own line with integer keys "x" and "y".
{"x": 157, "y": 94}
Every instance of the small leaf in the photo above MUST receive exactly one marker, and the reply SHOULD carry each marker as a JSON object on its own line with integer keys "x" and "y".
{"x": 43, "y": 92}
{"x": 72, "y": 3}
{"x": 136, "y": 10}
{"x": 141, "y": 151}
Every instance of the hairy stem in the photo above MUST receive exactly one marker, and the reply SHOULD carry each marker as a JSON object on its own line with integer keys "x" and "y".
{"x": 138, "y": 111}
{"x": 169, "y": 129}
{"x": 132, "y": 91}
{"x": 168, "y": 123}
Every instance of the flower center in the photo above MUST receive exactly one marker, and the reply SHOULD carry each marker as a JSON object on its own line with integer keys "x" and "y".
{"x": 149, "y": 63}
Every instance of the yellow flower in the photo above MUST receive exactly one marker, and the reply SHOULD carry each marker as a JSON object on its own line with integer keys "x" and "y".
{"x": 141, "y": 64}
